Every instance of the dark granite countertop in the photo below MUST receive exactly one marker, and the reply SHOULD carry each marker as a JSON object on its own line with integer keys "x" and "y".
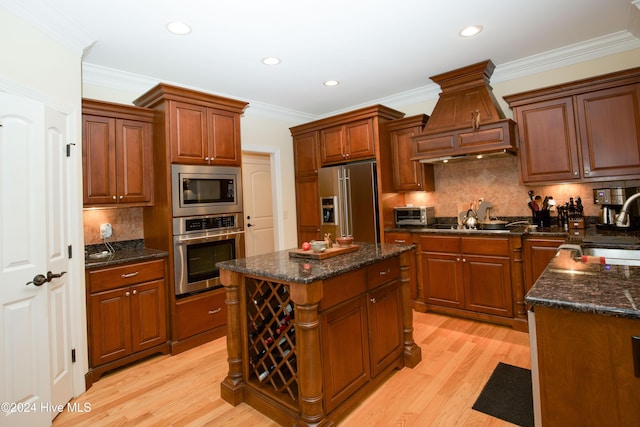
{"x": 280, "y": 266}
{"x": 125, "y": 252}
{"x": 566, "y": 283}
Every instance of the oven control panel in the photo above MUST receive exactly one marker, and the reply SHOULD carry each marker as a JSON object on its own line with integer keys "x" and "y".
{"x": 197, "y": 224}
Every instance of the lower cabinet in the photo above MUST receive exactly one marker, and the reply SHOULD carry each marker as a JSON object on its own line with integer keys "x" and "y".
{"x": 127, "y": 315}
{"x": 537, "y": 254}
{"x": 467, "y": 273}
{"x": 361, "y": 330}
{"x": 198, "y": 319}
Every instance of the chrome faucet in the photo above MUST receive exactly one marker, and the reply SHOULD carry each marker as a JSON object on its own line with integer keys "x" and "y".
{"x": 622, "y": 219}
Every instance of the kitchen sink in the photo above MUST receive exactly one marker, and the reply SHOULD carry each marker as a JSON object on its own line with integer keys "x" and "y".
{"x": 614, "y": 256}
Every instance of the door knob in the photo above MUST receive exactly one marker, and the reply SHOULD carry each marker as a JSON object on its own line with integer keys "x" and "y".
{"x": 41, "y": 279}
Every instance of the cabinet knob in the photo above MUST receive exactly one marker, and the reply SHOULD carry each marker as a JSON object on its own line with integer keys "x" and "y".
{"x": 458, "y": 259}
{"x": 127, "y": 293}
{"x": 575, "y": 173}
{"x": 135, "y": 291}
{"x": 121, "y": 197}
{"x": 114, "y": 197}
{"x": 587, "y": 171}
{"x": 464, "y": 260}
{"x": 373, "y": 300}
{"x": 206, "y": 158}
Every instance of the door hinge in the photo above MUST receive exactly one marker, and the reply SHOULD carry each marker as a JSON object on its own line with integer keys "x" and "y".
{"x": 70, "y": 250}
{"x": 69, "y": 148}
{"x": 73, "y": 355}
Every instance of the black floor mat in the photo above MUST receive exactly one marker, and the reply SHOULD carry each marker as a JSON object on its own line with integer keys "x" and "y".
{"x": 507, "y": 395}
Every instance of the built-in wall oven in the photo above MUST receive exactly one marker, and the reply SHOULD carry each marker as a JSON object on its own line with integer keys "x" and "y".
{"x": 199, "y": 242}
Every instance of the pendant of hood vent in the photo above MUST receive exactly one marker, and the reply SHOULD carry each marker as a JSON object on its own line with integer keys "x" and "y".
{"x": 467, "y": 120}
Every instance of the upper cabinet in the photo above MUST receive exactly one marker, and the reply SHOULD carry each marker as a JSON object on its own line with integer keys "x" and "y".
{"x": 408, "y": 175}
{"x": 467, "y": 119}
{"x": 116, "y": 154}
{"x": 347, "y": 142}
{"x": 588, "y": 130}
{"x": 201, "y": 129}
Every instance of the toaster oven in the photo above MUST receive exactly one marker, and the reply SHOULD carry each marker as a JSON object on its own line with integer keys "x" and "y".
{"x": 414, "y": 215}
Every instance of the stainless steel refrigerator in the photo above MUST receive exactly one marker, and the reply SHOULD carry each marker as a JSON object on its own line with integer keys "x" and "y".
{"x": 349, "y": 201}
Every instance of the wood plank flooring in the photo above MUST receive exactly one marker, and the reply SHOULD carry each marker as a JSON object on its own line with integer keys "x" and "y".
{"x": 458, "y": 356}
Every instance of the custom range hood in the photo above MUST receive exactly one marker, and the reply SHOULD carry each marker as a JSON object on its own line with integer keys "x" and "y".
{"x": 467, "y": 121}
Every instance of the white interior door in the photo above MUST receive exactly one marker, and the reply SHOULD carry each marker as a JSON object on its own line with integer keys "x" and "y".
{"x": 258, "y": 204}
{"x": 32, "y": 318}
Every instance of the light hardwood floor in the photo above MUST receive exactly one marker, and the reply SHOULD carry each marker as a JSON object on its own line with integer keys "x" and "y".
{"x": 458, "y": 356}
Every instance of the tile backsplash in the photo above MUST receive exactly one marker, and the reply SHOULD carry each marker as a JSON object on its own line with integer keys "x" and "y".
{"x": 497, "y": 181}
{"x": 127, "y": 224}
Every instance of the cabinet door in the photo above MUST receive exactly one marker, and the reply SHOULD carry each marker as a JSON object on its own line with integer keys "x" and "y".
{"x": 305, "y": 154}
{"x": 148, "y": 315}
{"x": 537, "y": 254}
{"x": 134, "y": 165}
{"x": 548, "y": 144}
{"x": 110, "y": 331}
{"x": 487, "y": 284}
{"x": 98, "y": 159}
{"x": 332, "y": 145}
{"x": 408, "y": 175}
{"x": 609, "y": 123}
{"x": 345, "y": 348}
{"x": 188, "y": 127}
{"x": 442, "y": 279}
{"x": 224, "y": 138}
{"x": 385, "y": 326}
{"x": 359, "y": 140}
{"x": 308, "y": 209}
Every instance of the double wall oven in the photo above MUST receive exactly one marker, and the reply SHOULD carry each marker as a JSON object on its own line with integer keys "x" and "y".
{"x": 207, "y": 224}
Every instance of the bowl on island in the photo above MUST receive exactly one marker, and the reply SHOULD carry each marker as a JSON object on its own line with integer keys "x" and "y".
{"x": 345, "y": 241}
{"x": 318, "y": 245}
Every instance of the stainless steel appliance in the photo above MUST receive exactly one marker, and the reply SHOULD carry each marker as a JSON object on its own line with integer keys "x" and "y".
{"x": 414, "y": 215}
{"x": 205, "y": 190}
{"x": 199, "y": 242}
{"x": 349, "y": 201}
{"x": 611, "y": 201}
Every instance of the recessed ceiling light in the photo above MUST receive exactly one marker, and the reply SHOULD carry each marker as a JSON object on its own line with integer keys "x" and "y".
{"x": 179, "y": 28}
{"x": 270, "y": 60}
{"x": 470, "y": 31}
{"x": 331, "y": 83}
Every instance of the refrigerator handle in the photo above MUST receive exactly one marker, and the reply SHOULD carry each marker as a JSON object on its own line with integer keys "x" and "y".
{"x": 342, "y": 201}
{"x": 348, "y": 220}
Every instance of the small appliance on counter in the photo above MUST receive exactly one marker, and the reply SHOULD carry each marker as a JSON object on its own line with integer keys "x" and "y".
{"x": 414, "y": 215}
{"x": 611, "y": 201}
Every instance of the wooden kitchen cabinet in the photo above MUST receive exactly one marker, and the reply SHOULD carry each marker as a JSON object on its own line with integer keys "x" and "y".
{"x": 467, "y": 273}
{"x": 347, "y": 142}
{"x": 196, "y": 128}
{"x": 306, "y": 162}
{"x": 198, "y": 319}
{"x": 305, "y": 154}
{"x": 116, "y": 154}
{"x": 588, "y": 130}
{"x": 408, "y": 175}
{"x": 537, "y": 254}
{"x": 586, "y": 368}
{"x": 127, "y": 315}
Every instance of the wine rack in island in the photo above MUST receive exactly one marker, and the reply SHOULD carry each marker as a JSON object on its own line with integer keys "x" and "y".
{"x": 271, "y": 336}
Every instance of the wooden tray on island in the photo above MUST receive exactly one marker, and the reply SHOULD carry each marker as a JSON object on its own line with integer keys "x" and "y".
{"x": 328, "y": 253}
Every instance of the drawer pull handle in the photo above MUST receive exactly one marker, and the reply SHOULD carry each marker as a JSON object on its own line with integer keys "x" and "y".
{"x": 217, "y": 310}
{"x": 127, "y": 275}
{"x": 387, "y": 271}
{"x": 400, "y": 241}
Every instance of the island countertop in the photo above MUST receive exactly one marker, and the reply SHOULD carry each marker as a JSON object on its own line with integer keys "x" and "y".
{"x": 280, "y": 266}
{"x": 567, "y": 283}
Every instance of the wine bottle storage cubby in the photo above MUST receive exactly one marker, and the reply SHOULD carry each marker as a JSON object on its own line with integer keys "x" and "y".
{"x": 271, "y": 332}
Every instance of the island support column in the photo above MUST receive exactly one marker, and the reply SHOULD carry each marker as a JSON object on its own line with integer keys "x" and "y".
{"x": 231, "y": 388}
{"x": 412, "y": 353}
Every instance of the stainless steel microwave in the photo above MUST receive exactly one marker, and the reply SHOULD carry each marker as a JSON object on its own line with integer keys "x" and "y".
{"x": 205, "y": 190}
{"x": 414, "y": 215}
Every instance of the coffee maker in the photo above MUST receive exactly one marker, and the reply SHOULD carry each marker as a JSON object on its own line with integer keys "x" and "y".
{"x": 611, "y": 201}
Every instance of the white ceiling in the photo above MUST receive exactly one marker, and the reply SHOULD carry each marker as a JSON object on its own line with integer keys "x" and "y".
{"x": 376, "y": 48}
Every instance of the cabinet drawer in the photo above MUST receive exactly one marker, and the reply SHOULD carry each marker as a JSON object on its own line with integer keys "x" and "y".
{"x": 342, "y": 288}
{"x": 383, "y": 272}
{"x": 125, "y": 275}
{"x": 399, "y": 238}
{"x": 484, "y": 246}
{"x": 446, "y": 244}
{"x": 200, "y": 313}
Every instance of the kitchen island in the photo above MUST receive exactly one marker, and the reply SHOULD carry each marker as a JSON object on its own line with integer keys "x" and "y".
{"x": 307, "y": 338}
{"x": 585, "y": 334}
